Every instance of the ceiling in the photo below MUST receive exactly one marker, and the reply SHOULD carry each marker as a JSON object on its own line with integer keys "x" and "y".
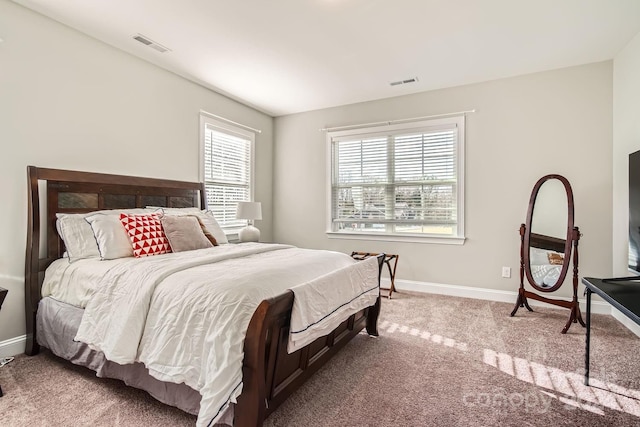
{"x": 289, "y": 56}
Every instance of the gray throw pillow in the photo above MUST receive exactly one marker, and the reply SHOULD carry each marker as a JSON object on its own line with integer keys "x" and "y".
{"x": 184, "y": 233}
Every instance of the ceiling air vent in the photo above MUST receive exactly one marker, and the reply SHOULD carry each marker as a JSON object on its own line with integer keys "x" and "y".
{"x": 148, "y": 42}
{"x": 404, "y": 82}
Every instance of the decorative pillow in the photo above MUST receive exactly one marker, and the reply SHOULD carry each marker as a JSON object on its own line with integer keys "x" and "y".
{"x": 146, "y": 234}
{"x": 555, "y": 258}
{"x": 212, "y": 225}
{"x": 206, "y": 218}
{"x": 184, "y": 233}
{"x": 113, "y": 240}
{"x": 206, "y": 232}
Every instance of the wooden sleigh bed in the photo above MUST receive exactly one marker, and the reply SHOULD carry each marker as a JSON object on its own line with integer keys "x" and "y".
{"x": 269, "y": 373}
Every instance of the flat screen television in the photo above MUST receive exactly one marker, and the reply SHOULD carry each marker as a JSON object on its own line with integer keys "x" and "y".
{"x": 634, "y": 213}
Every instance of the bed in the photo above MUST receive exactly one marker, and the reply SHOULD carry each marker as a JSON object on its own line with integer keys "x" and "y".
{"x": 276, "y": 353}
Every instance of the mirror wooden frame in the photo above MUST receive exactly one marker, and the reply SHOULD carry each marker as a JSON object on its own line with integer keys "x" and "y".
{"x": 568, "y": 246}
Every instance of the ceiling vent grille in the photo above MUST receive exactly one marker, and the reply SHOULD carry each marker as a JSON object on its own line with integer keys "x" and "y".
{"x": 148, "y": 42}
{"x": 404, "y": 82}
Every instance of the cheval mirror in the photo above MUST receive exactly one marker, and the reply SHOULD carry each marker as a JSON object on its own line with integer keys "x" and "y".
{"x": 548, "y": 242}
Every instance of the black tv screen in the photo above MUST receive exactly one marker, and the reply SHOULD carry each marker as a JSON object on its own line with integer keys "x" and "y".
{"x": 634, "y": 212}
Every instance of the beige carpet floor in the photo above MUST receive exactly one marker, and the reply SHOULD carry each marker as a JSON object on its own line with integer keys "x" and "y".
{"x": 439, "y": 361}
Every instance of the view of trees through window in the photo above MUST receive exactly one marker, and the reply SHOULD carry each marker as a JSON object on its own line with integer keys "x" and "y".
{"x": 396, "y": 183}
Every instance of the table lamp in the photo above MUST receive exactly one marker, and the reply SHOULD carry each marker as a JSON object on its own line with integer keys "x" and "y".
{"x": 250, "y": 211}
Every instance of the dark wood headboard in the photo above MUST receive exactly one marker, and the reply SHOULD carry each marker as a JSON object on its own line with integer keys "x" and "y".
{"x": 68, "y": 191}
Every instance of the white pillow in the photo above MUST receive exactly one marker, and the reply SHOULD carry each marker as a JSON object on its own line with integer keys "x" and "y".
{"x": 176, "y": 211}
{"x": 111, "y": 236}
{"x": 77, "y": 236}
{"x": 538, "y": 256}
{"x": 206, "y": 217}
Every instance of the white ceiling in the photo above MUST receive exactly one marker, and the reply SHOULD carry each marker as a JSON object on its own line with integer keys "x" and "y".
{"x": 288, "y": 56}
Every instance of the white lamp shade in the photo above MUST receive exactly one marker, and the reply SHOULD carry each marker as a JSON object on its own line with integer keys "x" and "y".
{"x": 249, "y": 210}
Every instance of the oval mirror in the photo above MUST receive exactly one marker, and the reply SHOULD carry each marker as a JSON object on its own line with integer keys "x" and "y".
{"x": 548, "y": 235}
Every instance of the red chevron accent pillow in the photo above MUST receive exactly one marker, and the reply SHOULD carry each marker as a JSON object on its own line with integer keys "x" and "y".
{"x": 146, "y": 234}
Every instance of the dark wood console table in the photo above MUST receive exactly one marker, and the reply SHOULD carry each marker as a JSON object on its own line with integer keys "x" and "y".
{"x": 3, "y": 294}
{"x": 622, "y": 293}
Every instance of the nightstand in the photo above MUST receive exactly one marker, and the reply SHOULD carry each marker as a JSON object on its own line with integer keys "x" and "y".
{"x": 3, "y": 294}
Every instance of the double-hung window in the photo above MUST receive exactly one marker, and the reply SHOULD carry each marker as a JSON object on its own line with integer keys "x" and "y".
{"x": 226, "y": 169}
{"x": 398, "y": 182}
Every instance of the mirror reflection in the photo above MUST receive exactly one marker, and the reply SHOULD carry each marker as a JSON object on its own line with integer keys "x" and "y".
{"x": 548, "y": 233}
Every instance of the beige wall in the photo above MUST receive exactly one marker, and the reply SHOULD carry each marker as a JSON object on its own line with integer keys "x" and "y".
{"x": 525, "y": 127}
{"x": 68, "y": 101}
{"x": 626, "y": 139}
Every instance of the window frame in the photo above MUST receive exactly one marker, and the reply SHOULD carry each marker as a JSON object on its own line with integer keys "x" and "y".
{"x": 371, "y": 131}
{"x": 236, "y": 131}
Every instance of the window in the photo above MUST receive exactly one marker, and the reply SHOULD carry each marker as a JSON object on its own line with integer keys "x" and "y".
{"x": 398, "y": 182}
{"x": 226, "y": 169}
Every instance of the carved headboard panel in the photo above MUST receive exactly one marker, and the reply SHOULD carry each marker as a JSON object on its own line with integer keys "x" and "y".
{"x": 80, "y": 192}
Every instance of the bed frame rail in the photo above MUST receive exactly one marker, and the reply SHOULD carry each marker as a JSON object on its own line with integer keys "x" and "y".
{"x": 270, "y": 374}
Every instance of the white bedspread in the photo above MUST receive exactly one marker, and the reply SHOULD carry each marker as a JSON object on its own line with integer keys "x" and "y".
{"x": 186, "y": 319}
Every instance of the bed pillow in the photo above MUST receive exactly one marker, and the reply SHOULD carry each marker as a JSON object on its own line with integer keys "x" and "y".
{"x": 113, "y": 240}
{"x": 212, "y": 225}
{"x": 79, "y": 238}
{"x": 206, "y": 218}
{"x": 146, "y": 234}
{"x": 538, "y": 256}
{"x": 206, "y": 232}
{"x": 184, "y": 233}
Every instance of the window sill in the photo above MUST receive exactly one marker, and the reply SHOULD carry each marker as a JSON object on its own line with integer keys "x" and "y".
{"x": 397, "y": 238}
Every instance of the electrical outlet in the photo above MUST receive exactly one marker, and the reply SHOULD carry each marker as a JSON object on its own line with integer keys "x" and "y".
{"x": 506, "y": 272}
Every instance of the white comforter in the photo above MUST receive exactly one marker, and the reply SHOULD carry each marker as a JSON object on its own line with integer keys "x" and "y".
{"x": 186, "y": 319}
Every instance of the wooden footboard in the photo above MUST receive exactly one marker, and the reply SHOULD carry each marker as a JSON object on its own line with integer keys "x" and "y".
{"x": 270, "y": 374}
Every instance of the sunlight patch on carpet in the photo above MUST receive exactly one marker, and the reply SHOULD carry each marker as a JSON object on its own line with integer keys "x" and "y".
{"x": 393, "y": 328}
{"x": 569, "y": 387}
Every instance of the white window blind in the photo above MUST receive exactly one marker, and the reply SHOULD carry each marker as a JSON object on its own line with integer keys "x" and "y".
{"x": 403, "y": 180}
{"x": 227, "y": 169}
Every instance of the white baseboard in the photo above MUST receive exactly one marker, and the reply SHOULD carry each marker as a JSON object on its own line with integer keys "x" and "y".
{"x": 597, "y": 307}
{"x": 13, "y": 346}
{"x": 632, "y": 326}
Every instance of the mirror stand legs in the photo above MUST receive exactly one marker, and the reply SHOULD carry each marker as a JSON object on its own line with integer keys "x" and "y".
{"x": 574, "y": 317}
{"x": 521, "y": 302}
